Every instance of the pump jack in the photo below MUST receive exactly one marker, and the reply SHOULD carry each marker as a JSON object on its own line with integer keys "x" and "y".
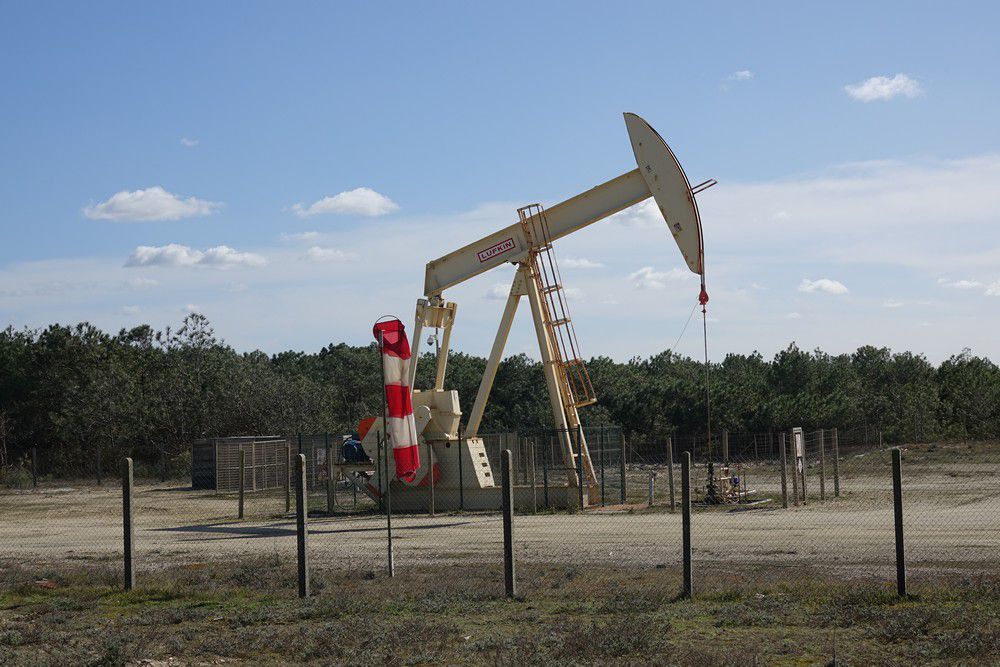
{"x": 528, "y": 244}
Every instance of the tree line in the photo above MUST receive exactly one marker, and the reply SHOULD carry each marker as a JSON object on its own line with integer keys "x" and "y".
{"x": 75, "y": 392}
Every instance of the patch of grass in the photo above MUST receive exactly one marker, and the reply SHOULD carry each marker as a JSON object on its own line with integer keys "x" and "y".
{"x": 246, "y": 611}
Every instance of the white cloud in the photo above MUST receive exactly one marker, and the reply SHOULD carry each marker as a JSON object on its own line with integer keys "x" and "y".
{"x": 191, "y": 308}
{"x": 959, "y": 284}
{"x": 225, "y": 256}
{"x": 793, "y": 316}
{"x": 649, "y": 278}
{"x": 188, "y": 143}
{"x": 141, "y": 283}
{"x": 574, "y": 292}
{"x": 892, "y": 303}
{"x": 130, "y": 310}
{"x": 174, "y": 254}
{"x": 318, "y": 254}
{"x": 153, "y": 203}
{"x": 884, "y": 88}
{"x": 360, "y": 201}
{"x": 499, "y": 292}
{"x": 741, "y": 75}
{"x": 993, "y": 289}
{"x": 824, "y": 285}
{"x": 579, "y": 263}
{"x": 301, "y": 236}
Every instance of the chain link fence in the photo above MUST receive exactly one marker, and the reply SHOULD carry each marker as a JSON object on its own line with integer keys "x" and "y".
{"x": 795, "y": 508}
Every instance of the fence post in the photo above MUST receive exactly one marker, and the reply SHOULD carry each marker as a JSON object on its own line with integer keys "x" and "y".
{"x": 725, "y": 446}
{"x": 784, "y": 473}
{"x": 461, "y": 481}
{"x": 795, "y": 471}
{"x": 652, "y": 488}
{"x": 331, "y": 487}
{"x": 128, "y": 524}
{"x": 600, "y": 446}
{"x": 243, "y": 478}
{"x": 98, "y": 466}
{"x": 621, "y": 469}
{"x": 534, "y": 479}
{"x": 822, "y": 464}
{"x": 670, "y": 470}
{"x": 897, "y": 504}
{"x": 545, "y": 471}
{"x": 507, "y": 505}
{"x": 430, "y": 472}
{"x": 580, "y": 477}
{"x": 388, "y": 511}
{"x": 301, "y": 524}
{"x": 836, "y": 463}
{"x": 805, "y": 467}
{"x": 288, "y": 477}
{"x": 688, "y": 588}
{"x": 34, "y": 467}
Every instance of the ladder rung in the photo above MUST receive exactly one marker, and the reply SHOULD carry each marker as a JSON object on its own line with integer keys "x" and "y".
{"x": 560, "y": 322}
{"x": 551, "y": 289}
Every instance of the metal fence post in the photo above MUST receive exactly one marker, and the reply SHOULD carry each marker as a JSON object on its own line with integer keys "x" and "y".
{"x": 507, "y": 503}
{"x": 545, "y": 472}
{"x": 600, "y": 446}
{"x": 670, "y": 470}
{"x": 331, "y": 487}
{"x": 805, "y": 467}
{"x": 822, "y": 464}
{"x": 795, "y": 471}
{"x": 621, "y": 469}
{"x": 725, "y": 446}
{"x": 34, "y": 467}
{"x": 652, "y": 488}
{"x": 784, "y": 473}
{"x": 579, "y": 466}
{"x": 897, "y": 504}
{"x": 388, "y": 512}
{"x": 288, "y": 477}
{"x": 128, "y": 524}
{"x": 534, "y": 480}
{"x": 688, "y": 587}
{"x": 461, "y": 481}
{"x": 301, "y": 524}
{"x": 430, "y": 473}
{"x": 99, "y": 466}
{"x": 836, "y": 463}
{"x": 243, "y": 478}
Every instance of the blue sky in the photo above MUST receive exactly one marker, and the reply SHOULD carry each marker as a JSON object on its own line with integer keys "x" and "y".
{"x": 856, "y": 147}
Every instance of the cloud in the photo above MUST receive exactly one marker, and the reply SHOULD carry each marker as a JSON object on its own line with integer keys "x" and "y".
{"x": 174, "y": 254}
{"x": 579, "y": 263}
{"x": 141, "y": 283}
{"x": 301, "y": 236}
{"x": 360, "y": 201}
{"x": 959, "y": 284}
{"x": 993, "y": 289}
{"x": 741, "y": 75}
{"x": 499, "y": 292}
{"x": 892, "y": 303}
{"x": 884, "y": 88}
{"x": 191, "y": 308}
{"x": 794, "y": 316}
{"x": 188, "y": 143}
{"x": 130, "y": 310}
{"x": 824, "y": 285}
{"x": 318, "y": 254}
{"x": 649, "y": 278}
{"x": 153, "y": 203}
